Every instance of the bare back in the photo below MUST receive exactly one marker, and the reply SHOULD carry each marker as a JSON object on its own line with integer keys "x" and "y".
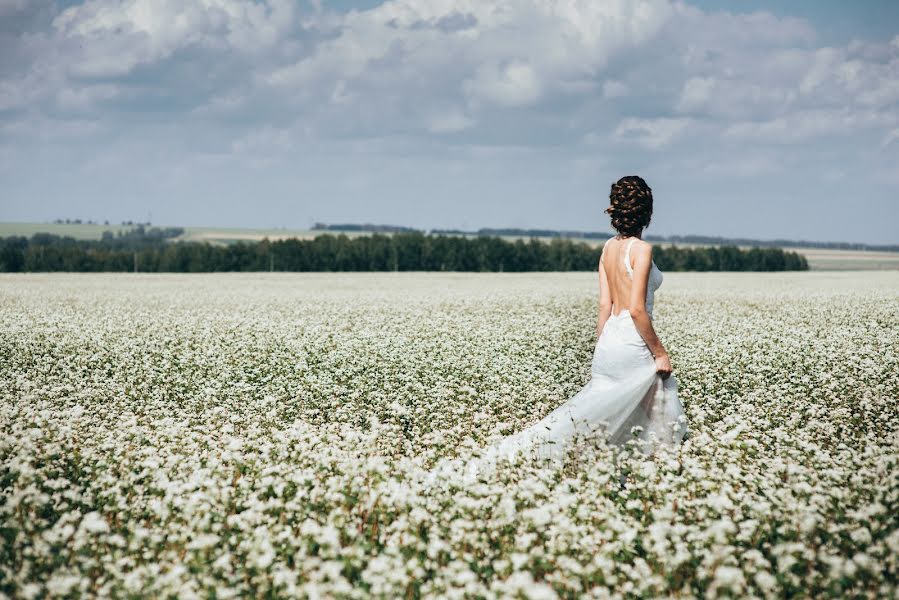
{"x": 628, "y": 279}
{"x": 619, "y": 279}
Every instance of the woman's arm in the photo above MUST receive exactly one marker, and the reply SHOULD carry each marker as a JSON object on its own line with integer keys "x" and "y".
{"x": 642, "y": 265}
{"x": 605, "y": 300}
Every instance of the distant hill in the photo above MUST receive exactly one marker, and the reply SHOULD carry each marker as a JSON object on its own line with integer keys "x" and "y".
{"x": 91, "y": 230}
{"x": 366, "y": 227}
{"x": 670, "y": 239}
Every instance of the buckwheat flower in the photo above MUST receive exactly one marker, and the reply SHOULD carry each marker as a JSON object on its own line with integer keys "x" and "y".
{"x": 539, "y": 516}
{"x": 720, "y": 502}
{"x": 729, "y": 577}
{"x": 133, "y": 581}
{"x": 329, "y": 536}
{"x": 892, "y": 542}
{"x": 206, "y": 540}
{"x": 93, "y": 522}
{"x": 765, "y": 580}
{"x": 863, "y": 561}
{"x": 283, "y": 429}
{"x": 861, "y": 535}
{"x": 30, "y": 590}
{"x": 62, "y": 585}
{"x": 540, "y": 591}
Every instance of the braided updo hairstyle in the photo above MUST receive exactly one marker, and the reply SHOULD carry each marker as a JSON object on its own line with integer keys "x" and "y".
{"x": 631, "y": 205}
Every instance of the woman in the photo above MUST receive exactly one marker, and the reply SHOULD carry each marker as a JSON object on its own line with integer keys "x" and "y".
{"x": 632, "y": 382}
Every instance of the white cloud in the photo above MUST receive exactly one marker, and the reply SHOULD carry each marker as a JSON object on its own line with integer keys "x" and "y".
{"x": 807, "y": 125}
{"x": 614, "y": 89}
{"x": 12, "y": 7}
{"x": 653, "y": 134}
{"x": 84, "y": 98}
{"x": 511, "y": 84}
{"x": 503, "y": 53}
{"x": 224, "y": 104}
{"x": 645, "y": 83}
{"x": 863, "y": 73}
{"x": 416, "y": 67}
{"x": 39, "y": 128}
{"x": 116, "y": 36}
{"x": 449, "y": 122}
{"x": 733, "y": 97}
{"x": 696, "y": 94}
{"x": 742, "y": 166}
{"x": 267, "y": 141}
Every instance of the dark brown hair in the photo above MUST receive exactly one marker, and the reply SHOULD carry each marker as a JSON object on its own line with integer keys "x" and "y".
{"x": 631, "y": 205}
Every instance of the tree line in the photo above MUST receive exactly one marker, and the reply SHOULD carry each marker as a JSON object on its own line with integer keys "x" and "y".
{"x": 415, "y": 251}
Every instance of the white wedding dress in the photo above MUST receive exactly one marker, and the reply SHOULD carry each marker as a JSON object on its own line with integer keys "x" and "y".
{"x": 624, "y": 391}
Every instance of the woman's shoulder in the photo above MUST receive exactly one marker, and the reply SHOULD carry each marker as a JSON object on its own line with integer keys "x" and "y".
{"x": 641, "y": 246}
{"x": 641, "y": 249}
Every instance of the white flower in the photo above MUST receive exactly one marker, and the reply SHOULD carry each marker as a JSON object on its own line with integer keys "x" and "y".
{"x": 61, "y": 585}
{"x": 206, "y": 540}
{"x": 93, "y": 522}
{"x": 765, "y": 580}
{"x": 729, "y": 576}
{"x": 252, "y": 439}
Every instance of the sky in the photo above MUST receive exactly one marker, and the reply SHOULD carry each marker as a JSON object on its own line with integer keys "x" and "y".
{"x": 759, "y": 119}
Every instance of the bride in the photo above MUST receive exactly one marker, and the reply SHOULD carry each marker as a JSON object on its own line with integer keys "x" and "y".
{"x": 631, "y": 382}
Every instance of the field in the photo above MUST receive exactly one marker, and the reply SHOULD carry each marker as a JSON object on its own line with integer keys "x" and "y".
{"x": 88, "y": 231}
{"x": 819, "y": 259}
{"x": 79, "y": 231}
{"x": 824, "y": 259}
{"x": 269, "y": 435}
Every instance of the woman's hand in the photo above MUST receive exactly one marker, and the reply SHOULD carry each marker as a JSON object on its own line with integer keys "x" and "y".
{"x": 663, "y": 365}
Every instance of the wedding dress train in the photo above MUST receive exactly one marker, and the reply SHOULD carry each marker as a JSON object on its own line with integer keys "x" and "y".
{"x": 624, "y": 391}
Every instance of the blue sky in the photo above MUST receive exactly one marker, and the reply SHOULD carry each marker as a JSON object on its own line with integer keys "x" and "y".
{"x": 756, "y": 119}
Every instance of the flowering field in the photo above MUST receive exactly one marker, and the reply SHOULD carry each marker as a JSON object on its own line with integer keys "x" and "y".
{"x": 269, "y": 435}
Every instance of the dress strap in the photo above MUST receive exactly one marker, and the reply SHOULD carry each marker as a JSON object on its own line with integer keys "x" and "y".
{"x": 602, "y": 254}
{"x": 627, "y": 258}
